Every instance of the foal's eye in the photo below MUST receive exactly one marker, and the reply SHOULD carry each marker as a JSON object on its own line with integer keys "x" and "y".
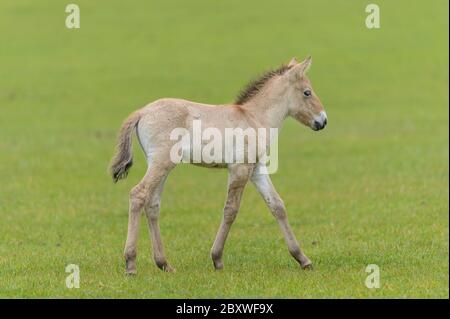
{"x": 307, "y": 93}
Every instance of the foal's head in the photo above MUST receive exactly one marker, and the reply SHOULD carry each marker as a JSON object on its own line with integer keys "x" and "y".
{"x": 290, "y": 89}
{"x": 303, "y": 103}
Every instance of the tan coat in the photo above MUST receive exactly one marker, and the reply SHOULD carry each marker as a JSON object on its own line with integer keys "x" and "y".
{"x": 264, "y": 104}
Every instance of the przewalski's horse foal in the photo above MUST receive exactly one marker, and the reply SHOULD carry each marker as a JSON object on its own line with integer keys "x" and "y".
{"x": 264, "y": 103}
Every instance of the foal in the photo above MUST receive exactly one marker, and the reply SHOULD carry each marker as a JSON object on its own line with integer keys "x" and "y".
{"x": 264, "y": 103}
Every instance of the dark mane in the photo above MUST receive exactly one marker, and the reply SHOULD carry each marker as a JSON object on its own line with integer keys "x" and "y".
{"x": 253, "y": 87}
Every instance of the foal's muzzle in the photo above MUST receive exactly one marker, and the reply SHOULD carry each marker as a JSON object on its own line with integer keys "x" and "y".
{"x": 319, "y": 121}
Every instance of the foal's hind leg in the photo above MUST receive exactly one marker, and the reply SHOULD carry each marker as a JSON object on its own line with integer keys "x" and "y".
{"x": 237, "y": 179}
{"x": 144, "y": 195}
{"x": 152, "y": 209}
{"x": 137, "y": 200}
{"x": 265, "y": 187}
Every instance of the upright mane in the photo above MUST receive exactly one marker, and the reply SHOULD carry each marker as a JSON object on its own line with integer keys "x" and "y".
{"x": 254, "y": 86}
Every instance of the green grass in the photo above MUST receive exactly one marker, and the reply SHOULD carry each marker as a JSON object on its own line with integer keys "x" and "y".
{"x": 372, "y": 188}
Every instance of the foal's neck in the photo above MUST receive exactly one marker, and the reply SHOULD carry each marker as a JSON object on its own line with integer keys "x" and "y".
{"x": 269, "y": 112}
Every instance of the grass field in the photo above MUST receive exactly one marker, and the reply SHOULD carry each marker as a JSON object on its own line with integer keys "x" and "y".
{"x": 372, "y": 188}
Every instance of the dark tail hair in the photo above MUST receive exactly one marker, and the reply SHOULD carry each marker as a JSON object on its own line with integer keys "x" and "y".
{"x": 123, "y": 158}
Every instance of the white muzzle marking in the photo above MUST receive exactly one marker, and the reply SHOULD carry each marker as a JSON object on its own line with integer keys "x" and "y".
{"x": 319, "y": 121}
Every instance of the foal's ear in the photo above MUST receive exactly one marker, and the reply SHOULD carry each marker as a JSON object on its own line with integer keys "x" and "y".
{"x": 306, "y": 64}
{"x": 293, "y": 62}
{"x": 300, "y": 69}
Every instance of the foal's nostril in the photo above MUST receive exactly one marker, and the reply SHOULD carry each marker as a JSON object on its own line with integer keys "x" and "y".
{"x": 317, "y": 125}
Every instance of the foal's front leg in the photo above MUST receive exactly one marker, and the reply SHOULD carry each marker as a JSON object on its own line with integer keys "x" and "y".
{"x": 265, "y": 187}
{"x": 237, "y": 179}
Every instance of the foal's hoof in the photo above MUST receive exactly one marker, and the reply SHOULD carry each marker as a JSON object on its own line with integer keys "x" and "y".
{"x": 218, "y": 264}
{"x": 130, "y": 268}
{"x": 130, "y": 272}
{"x": 164, "y": 266}
{"x": 168, "y": 268}
{"x": 308, "y": 266}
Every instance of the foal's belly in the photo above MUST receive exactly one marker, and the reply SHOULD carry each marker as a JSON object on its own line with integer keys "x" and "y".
{"x": 211, "y": 165}
{"x": 202, "y": 159}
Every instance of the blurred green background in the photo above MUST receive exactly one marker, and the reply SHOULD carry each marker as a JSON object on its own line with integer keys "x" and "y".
{"x": 370, "y": 189}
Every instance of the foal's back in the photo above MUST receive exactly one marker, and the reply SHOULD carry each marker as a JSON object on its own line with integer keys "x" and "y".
{"x": 164, "y": 115}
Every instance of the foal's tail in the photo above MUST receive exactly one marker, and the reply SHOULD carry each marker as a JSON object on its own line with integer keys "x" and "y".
{"x": 123, "y": 158}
